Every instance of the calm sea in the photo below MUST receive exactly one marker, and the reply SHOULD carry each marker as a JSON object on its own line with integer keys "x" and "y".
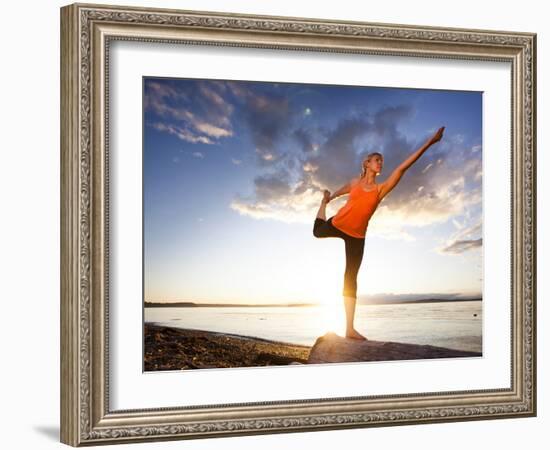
{"x": 456, "y": 325}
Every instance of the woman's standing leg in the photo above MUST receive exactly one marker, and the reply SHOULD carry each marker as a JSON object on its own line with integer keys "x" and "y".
{"x": 354, "y": 256}
{"x": 323, "y": 228}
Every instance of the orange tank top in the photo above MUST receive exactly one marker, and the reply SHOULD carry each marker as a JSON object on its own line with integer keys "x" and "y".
{"x": 354, "y": 216}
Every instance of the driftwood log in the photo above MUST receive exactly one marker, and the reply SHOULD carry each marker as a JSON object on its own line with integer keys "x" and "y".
{"x": 332, "y": 348}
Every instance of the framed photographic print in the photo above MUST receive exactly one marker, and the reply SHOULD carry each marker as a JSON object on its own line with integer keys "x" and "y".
{"x": 275, "y": 224}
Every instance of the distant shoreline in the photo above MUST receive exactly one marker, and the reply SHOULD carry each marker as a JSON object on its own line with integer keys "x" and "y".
{"x": 221, "y": 305}
{"x": 425, "y": 300}
{"x": 301, "y": 305}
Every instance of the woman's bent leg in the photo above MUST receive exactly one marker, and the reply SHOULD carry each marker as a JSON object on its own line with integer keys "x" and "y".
{"x": 325, "y": 228}
{"x": 322, "y": 213}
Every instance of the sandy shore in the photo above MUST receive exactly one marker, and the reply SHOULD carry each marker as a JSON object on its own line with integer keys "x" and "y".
{"x": 178, "y": 349}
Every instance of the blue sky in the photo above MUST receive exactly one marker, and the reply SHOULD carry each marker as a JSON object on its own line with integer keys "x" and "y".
{"x": 233, "y": 175}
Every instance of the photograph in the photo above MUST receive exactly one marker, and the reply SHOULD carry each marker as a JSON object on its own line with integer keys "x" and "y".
{"x": 292, "y": 223}
{"x": 283, "y": 224}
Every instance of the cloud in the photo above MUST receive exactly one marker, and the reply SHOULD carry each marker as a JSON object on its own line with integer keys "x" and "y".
{"x": 304, "y": 139}
{"x": 194, "y": 111}
{"x": 466, "y": 237}
{"x": 160, "y": 90}
{"x": 339, "y": 156}
{"x": 298, "y": 159}
{"x": 472, "y": 230}
{"x": 267, "y": 117}
{"x": 476, "y": 148}
{"x": 336, "y": 159}
{"x": 462, "y": 246}
{"x": 198, "y": 155}
{"x": 291, "y": 195}
{"x": 309, "y": 167}
{"x": 272, "y": 187}
{"x": 181, "y": 133}
{"x": 442, "y": 185}
{"x": 457, "y": 138}
{"x": 295, "y": 207}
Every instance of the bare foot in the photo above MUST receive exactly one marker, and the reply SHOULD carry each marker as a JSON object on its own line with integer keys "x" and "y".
{"x": 354, "y": 334}
{"x": 326, "y": 196}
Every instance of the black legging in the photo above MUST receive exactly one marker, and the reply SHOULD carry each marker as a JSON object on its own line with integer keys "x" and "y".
{"x": 354, "y": 252}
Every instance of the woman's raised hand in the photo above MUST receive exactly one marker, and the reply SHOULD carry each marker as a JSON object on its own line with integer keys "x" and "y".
{"x": 437, "y": 136}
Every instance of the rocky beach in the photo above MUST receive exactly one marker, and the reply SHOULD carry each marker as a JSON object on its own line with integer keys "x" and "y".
{"x": 169, "y": 348}
{"x": 179, "y": 349}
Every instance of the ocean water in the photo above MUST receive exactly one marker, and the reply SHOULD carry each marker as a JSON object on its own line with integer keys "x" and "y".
{"x": 455, "y": 325}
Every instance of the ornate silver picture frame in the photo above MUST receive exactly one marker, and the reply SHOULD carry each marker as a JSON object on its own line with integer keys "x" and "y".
{"x": 87, "y": 413}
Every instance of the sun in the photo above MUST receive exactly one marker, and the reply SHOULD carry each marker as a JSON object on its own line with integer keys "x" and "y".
{"x": 332, "y": 317}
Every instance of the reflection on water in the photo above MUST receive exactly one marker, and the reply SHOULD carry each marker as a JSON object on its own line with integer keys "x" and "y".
{"x": 456, "y": 325}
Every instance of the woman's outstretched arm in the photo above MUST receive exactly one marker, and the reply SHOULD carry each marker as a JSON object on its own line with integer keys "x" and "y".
{"x": 396, "y": 175}
{"x": 343, "y": 190}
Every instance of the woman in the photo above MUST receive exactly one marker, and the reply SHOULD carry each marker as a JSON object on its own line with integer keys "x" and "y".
{"x": 350, "y": 222}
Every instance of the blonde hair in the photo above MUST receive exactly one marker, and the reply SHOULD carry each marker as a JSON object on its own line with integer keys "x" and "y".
{"x": 369, "y": 156}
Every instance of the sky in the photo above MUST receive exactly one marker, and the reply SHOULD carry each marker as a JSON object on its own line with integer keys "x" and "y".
{"x": 233, "y": 174}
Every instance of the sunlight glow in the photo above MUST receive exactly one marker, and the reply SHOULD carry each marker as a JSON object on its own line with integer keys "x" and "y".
{"x": 332, "y": 318}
